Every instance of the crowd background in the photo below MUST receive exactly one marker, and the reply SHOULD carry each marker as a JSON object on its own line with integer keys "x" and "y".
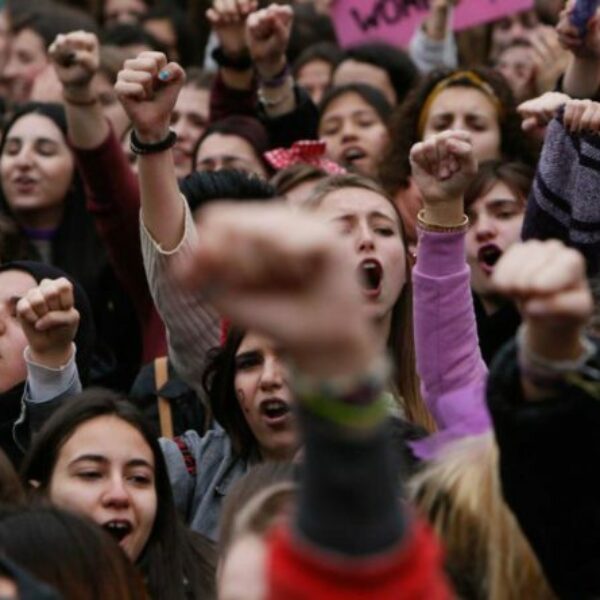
{"x": 285, "y": 320}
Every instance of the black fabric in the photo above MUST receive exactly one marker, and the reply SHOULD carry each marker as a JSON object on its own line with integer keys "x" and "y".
{"x": 187, "y": 410}
{"x": 349, "y": 497}
{"x": 77, "y": 249}
{"x": 495, "y": 330}
{"x": 10, "y": 402}
{"x": 549, "y": 453}
{"x": 300, "y": 124}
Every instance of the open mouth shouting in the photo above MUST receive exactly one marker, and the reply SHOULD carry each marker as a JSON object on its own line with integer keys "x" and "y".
{"x": 352, "y": 155}
{"x": 487, "y": 257}
{"x": 118, "y": 528}
{"x": 275, "y": 411}
{"x": 370, "y": 274}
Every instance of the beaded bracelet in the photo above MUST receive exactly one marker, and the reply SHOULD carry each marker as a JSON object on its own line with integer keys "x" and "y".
{"x": 354, "y": 401}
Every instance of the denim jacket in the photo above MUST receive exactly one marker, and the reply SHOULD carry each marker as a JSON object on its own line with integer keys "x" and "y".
{"x": 202, "y": 470}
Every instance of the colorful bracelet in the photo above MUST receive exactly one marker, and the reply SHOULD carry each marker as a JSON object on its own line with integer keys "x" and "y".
{"x": 356, "y": 401}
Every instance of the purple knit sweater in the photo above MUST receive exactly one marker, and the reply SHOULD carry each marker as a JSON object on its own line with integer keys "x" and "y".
{"x": 453, "y": 374}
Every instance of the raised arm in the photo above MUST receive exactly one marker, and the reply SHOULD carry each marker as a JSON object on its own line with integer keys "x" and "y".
{"x": 449, "y": 360}
{"x": 50, "y": 321}
{"x": 543, "y": 396}
{"x": 286, "y": 277}
{"x": 112, "y": 189}
{"x": 234, "y": 90}
{"x": 582, "y": 77}
{"x": 433, "y": 44}
{"x": 285, "y": 108}
{"x": 148, "y": 87}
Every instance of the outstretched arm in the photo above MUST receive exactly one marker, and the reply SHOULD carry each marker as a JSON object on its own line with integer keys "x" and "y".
{"x": 543, "y": 397}
{"x": 49, "y": 320}
{"x": 148, "y": 87}
{"x": 268, "y": 265}
{"x": 582, "y": 77}
{"x": 449, "y": 360}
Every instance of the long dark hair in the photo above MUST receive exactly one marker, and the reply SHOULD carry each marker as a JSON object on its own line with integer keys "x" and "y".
{"x": 218, "y": 382}
{"x": 69, "y": 553}
{"x": 75, "y": 246}
{"x": 171, "y": 556}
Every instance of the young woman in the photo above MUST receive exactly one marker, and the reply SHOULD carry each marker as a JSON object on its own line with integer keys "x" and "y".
{"x": 478, "y": 101}
{"x": 16, "y": 280}
{"x": 371, "y": 227}
{"x": 353, "y": 123}
{"x": 255, "y": 376}
{"x": 97, "y": 457}
{"x": 495, "y": 204}
{"x": 43, "y": 192}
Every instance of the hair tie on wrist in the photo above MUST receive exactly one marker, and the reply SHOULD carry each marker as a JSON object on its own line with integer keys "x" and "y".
{"x": 140, "y": 148}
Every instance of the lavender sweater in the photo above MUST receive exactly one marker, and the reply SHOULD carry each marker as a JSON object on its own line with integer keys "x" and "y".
{"x": 453, "y": 374}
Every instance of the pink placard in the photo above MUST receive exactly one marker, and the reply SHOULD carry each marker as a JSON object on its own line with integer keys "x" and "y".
{"x": 394, "y": 21}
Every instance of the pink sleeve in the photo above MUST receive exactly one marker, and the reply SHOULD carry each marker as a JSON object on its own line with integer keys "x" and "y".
{"x": 453, "y": 374}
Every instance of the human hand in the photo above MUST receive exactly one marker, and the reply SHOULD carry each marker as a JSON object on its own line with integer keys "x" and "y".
{"x": 285, "y": 275}
{"x": 75, "y": 57}
{"x": 582, "y": 47}
{"x": 538, "y": 112}
{"x": 547, "y": 280}
{"x": 267, "y": 35}
{"x": 436, "y": 22}
{"x": 549, "y": 58}
{"x": 148, "y": 87}
{"x": 582, "y": 116}
{"x": 228, "y": 20}
{"x": 443, "y": 167}
{"x": 49, "y": 320}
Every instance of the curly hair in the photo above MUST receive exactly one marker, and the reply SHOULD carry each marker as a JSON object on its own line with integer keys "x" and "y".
{"x": 394, "y": 168}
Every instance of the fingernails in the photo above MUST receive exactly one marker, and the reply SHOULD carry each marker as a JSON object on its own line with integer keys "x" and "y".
{"x": 163, "y": 75}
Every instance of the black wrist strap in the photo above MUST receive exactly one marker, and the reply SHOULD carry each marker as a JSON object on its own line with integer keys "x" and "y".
{"x": 243, "y": 62}
{"x": 139, "y": 147}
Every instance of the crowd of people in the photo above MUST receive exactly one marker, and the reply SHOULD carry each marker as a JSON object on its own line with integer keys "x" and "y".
{"x": 282, "y": 320}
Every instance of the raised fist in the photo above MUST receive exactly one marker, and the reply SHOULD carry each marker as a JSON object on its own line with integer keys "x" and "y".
{"x": 49, "y": 320}
{"x": 148, "y": 87}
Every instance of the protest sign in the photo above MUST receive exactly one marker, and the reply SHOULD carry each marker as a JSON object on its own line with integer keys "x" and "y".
{"x": 394, "y": 21}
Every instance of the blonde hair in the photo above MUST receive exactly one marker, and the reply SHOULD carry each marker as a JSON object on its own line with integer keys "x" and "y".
{"x": 488, "y": 556}
{"x": 401, "y": 339}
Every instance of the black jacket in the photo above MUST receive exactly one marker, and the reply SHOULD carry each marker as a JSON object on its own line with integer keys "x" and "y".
{"x": 549, "y": 457}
